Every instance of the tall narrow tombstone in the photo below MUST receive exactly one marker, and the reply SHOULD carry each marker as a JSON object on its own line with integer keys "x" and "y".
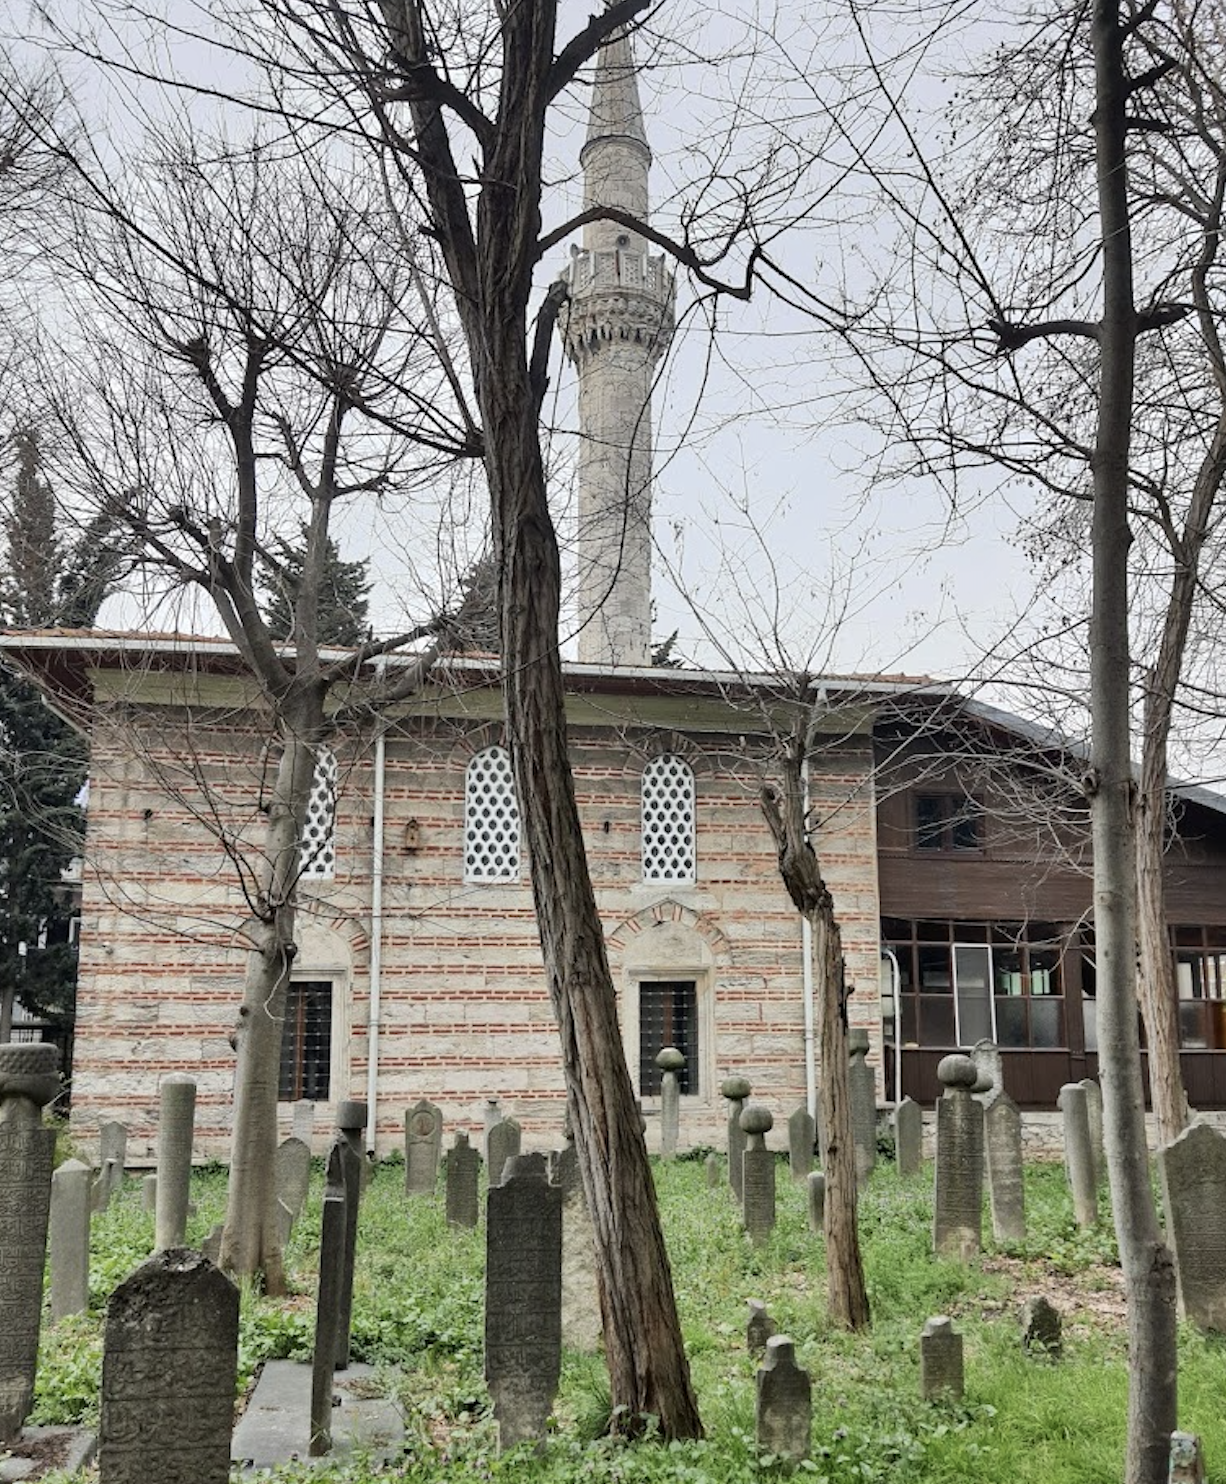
{"x": 107, "y": 1181}
{"x": 801, "y": 1133}
{"x": 670, "y": 1062}
{"x": 1094, "y": 1115}
{"x": 1002, "y": 1126}
{"x": 712, "y": 1169}
{"x": 169, "y": 1365}
{"x": 350, "y": 1124}
{"x": 957, "y": 1216}
{"x": 293, "y": 1160}
{"x": 736, "y": 1090}
{"x": 1079, "y": 1153}
{"x": 29, "y": 1079}
{"x": 149, "y": 1193}
{"x": 1193, "y": 1170}
{"x": 70, "y": 1214}
{"x": 503, "y": 1144}
{"x": 990, "y": 1082}
{"x": 941, "y": 1372}
{"x": 328, "y": 1301}
{"x": 423, "y": 1144}
{"x": 784, "y": 1412}
{"x": 909, "y": 1137}
{"x": 112, "y": 1155}
{"x": 582, "y": 1326}
{"x": 463, "y": 1166}
{"x": 176, "y": 1130}
{"x": 758, "y": 1175}
{"x": 523, "y": 1299}
{"x": 491, "y": 1114}
{"x": 759, "y": 1327}
{"x": 862, "y": 1092}
{"x": 303, "y": 1126}
{"x": 816, "y": 1202}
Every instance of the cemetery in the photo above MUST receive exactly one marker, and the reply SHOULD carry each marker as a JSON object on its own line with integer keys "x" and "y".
{"x": 439, "y": 1325}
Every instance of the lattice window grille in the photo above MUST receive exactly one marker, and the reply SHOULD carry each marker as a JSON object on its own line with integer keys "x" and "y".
{"x": 317, "y": 853}
{"x": 491, "y": 818}
{"x": 668, "y": 820}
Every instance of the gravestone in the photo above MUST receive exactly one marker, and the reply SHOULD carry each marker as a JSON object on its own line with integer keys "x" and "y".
{"x": 990, "y": 1081}
{"x": 149, "y": 1193}
{"x": 816, "y": 1203}
{"x": 801, "y": 1133}
{"x": 523, "y": 1299}
{"x": 423, "y": 1143}
{"x": 328, "y": 1301}
{"x": 211, "y": 1246}
{"x": 757, "y": 1175}
{"x": 582, "y": 1327}
{"x": 112, "y": 1156}
{"x": 862, "y": 1093}
{"x": 1002, "y": 1131}
{"x": 29, "y": 1079}
{"x": 784, "y": 1412}
{"x": 713, "y": 1172}
{"x": 670, "y": 1062}
{"x": 503, "y": 1143}
{"x": 303, "y": 1126}
{"x": 1094, "y": 1113}
{"x": 169, "y": 1364}
{"x": 463, "y": 1167}
{"x": 958, "y": 1197}
{"x": 293, "y": 1161}
{"x": 1193, "y": 1170}
{"x": 176, "y": 1130}
{"x": 1187, "y": 1462}
{"x": 106, "y": 1182}
{"x": 759, "y": 1327}
{"x": 940, "y": 1357}
{"x": 909, "y": 1137}
{"x": 1079, "y": 1153}
{"x": 736, "y": 1090}
{"x": 1042, "y": 1328}
{"x": 70, "y": 1214}
{"x": 491, "y": 1114}
{"x": 350, "y": 1124}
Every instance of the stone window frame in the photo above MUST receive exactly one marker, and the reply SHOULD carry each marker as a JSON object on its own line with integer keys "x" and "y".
{"x": 479, "y": 808}
{"x": 703, "y": 979}
{"x": 298, "y": 984}
{"x": 657, "y": 823}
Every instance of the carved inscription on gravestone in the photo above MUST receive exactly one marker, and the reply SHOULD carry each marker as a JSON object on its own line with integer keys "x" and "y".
{"x": 958, "y": 1197}
{"x": 523, "y": 1298}
{"x": 463, "y": 1166}
{"x": 28, "y": 1081}
{"x": 169, "y": 1363}
{"x": 1193, "y": 1171}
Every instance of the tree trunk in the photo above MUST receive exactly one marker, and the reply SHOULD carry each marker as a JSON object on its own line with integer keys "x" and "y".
{"x": 1148, "y": 1270}
{"x": 251, "y": 1245}
{"x": 1156, "y": 981}
{"x": 846, "y": 1294}
{"x": 8, "y": 999}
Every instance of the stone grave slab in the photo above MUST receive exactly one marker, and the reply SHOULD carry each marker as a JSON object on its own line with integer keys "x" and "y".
{"x": 276, "y": 1426}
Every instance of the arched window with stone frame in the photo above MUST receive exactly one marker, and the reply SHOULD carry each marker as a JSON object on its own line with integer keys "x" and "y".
{"x": 317, "y": 852}
{"x": 669, "y": 850}
{"x": 491, "y": 818}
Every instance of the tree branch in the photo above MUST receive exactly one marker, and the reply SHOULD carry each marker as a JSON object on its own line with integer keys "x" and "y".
{"x": 586, "y": 43}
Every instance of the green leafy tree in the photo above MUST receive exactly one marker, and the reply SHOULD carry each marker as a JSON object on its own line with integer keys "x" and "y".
{"x": 344, "y": 594}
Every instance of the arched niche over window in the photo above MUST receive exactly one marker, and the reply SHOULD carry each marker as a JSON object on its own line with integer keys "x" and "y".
{"x": 317, "y": 853}
{"x": 491, "y": 818}
{"x": 668, "y": 820}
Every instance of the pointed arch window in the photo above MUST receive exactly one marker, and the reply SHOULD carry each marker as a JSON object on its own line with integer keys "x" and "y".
{"x": 668, "y": 820}
{"x": 491, "y": 818}
{"x": 317, "y": 853}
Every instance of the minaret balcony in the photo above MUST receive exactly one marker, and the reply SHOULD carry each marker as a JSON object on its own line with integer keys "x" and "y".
{"x": 618, "y": 296}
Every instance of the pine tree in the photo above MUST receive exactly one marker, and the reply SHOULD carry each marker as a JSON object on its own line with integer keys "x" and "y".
{"x": 344, "y": 597}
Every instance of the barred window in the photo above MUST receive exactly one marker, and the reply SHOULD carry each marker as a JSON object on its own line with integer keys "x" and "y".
{"x": 317, "y": 853}
{"x": 491, "y": 818}
{"x": 668, "y": 820}
{"x": 306, "y": 1043}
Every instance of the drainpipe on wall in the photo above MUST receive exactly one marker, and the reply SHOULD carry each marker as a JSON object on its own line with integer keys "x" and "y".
{"x": 376, "y": 949}
{"x": 806, "y": 938}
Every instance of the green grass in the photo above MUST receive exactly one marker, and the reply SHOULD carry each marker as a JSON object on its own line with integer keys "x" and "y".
{"x": 418, "y": 1316}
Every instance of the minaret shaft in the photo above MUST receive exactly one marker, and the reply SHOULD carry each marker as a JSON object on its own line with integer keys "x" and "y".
{"x": 618, "y": 324}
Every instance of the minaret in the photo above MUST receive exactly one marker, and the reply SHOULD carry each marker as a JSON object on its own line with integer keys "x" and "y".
{"x": 619, "y": 322}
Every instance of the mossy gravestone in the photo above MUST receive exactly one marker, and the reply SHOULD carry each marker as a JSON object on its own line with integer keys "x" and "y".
{"x": 169, "y": 1364}
{"x": 423, "y": 1142}
{"x": 957, "y": 1207}
{"x": 758, "y": 1175}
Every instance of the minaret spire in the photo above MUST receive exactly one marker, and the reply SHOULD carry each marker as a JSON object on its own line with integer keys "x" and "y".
{"x": 619, "y": 322}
